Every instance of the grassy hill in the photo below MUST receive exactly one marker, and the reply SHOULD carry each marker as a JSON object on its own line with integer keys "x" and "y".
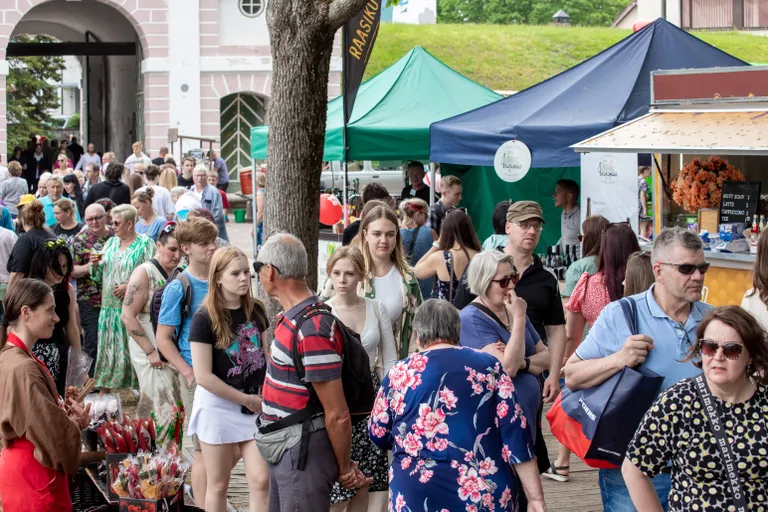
{"x": 513, "y": 57}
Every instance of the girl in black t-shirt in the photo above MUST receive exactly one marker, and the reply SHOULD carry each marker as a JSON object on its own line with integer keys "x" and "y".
{"x": 230, "y": 365}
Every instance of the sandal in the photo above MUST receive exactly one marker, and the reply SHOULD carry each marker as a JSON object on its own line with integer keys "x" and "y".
{"x": 555, "y": 473}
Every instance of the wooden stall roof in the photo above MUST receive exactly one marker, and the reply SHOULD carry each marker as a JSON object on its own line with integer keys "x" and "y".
{"x": 723, "y": 132}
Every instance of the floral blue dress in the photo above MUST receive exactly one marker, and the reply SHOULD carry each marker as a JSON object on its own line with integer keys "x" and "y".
{"x": 454, "y": 425}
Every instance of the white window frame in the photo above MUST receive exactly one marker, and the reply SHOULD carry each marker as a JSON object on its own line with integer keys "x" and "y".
{"x": 257, "y": 7}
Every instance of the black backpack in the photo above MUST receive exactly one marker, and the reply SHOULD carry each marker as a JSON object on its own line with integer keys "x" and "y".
{"x": 356, "y": 379}
{"x": 186, "y": 304}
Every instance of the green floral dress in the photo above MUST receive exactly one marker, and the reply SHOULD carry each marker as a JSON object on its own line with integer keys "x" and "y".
{"x": 113, "y": 362}
{"x": 405, "y": 343}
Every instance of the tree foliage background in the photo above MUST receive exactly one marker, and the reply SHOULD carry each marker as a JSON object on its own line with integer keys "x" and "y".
{"x": 534, "y": 12}
{"x": 31, "y": 93}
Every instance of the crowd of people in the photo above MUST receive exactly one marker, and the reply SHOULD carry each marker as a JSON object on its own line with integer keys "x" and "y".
{"x": 464, "y": 343}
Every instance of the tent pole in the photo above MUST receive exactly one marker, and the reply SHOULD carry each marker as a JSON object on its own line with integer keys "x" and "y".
{"x": 255, "y": 211}
{"x": 431, "y": 183}
{"x": 346, "y": 208}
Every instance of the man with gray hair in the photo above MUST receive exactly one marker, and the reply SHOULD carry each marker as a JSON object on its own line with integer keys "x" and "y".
{"x": 667, "y": 317}
{"x": 315, "y": 452}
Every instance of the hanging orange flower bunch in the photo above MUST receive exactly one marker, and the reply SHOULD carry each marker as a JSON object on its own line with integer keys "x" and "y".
{"x": 700, "y": 183}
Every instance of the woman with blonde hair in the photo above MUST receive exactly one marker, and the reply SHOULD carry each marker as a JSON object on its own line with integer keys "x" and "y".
{"x": 168, "y": 177}
{"x": 388, "y": 276}
{"x": 149, "y": 222}
{"x": 66, "y": 224}
{"x": 230, "y": 366}
{"x": 417, "y": 236}
{"x": 112, "y": 269}
{"x": 369, "y": 317}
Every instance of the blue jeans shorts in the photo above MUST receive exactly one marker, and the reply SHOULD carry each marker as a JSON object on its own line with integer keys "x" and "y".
{"x": 615, "y": 494}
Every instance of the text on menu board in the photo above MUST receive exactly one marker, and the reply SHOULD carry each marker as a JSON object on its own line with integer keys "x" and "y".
{"x": 739, "y": 201}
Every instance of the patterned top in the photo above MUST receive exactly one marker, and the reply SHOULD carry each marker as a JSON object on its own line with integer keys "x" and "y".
{"x": 454, "y": 425}
{"x": 676, "y": 430}
{"x": 82, "y": 245}
{"x": 320, "y": 347}
{"x": 117, "y": 265}
{"x": 444, "y": 287}
{"x": 589, "y": 297}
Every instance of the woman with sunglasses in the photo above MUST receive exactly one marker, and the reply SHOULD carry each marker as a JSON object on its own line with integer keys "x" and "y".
{"x": 495, "y": 322}
{"x": 52, "y": 264}
{"x": 62, "y": 166}
{"x": 112, "y": 268}
{"x": 732, "y": 350}
{"x": 158, "y": 383}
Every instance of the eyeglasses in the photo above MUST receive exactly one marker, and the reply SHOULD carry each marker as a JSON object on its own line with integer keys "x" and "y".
{"x": 95, "y": 219}
{"x": 525, "y": 226}
{"x": 258, "y": 265}
{"x": 116, "y": 223}
{"x": 688, "y": 269}
{"x": 505, "y": 281}
{"x": 52, "y": 244}
{"x": 731, "y": 350}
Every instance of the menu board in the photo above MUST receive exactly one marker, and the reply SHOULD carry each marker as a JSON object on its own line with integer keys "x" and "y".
{"x": 739, "y": 201}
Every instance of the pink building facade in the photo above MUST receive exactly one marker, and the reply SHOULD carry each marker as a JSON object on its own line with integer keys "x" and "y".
{"x": 201, "y": 66}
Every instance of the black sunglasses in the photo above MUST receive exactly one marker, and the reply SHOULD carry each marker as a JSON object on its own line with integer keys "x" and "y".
{"x": 731, "y": 351}
{"x": 688, "y": 269}
{"x": 258, "y": 265}
{"x": 505, "y": 281}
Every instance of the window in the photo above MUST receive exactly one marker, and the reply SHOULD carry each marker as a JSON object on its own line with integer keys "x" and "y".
{"x": 252, "y": 8}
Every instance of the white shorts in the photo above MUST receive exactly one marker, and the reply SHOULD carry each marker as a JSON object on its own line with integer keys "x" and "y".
{"x": 218, "y": 421}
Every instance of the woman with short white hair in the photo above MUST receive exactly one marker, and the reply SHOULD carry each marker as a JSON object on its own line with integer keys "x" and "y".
{"x": 495, "y": 322}
{"x": 112, "y": 268}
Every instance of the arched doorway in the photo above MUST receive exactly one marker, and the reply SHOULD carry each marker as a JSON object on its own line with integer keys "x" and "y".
{"x": 239, "y": 113}
{"x": 113, "y": 100}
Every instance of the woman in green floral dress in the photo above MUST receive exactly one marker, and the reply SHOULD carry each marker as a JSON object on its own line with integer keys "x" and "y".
{"x": 112, "y": 269}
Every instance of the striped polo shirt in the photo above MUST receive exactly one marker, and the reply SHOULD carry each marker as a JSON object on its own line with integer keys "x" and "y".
{"x": 320, "y": 346}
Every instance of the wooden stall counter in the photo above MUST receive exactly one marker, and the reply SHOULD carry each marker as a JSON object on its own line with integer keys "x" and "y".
{"x": 729, "y": 277}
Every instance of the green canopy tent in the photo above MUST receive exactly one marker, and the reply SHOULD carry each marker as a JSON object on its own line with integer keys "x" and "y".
{"x": 393, "y": 111}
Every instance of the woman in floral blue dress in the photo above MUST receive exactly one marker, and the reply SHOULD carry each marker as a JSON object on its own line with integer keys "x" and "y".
{"x": 451, "y": 417}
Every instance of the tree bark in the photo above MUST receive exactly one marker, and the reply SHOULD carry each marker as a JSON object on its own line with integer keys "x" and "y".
{"x": 301, "y": 36}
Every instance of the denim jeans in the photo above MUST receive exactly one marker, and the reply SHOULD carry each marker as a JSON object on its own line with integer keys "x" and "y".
{"x": 615, "y": 494}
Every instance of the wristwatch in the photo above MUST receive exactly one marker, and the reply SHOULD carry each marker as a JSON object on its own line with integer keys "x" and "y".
{"x": 527, "y": 363}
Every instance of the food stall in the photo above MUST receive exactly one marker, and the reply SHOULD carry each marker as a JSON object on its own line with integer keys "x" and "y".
{"x": 708, "y": 132}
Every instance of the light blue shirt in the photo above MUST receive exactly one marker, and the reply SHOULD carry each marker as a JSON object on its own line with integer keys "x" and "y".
{"x": 152, "y": 230}
{"x": 671, "y": 341}
{"x": 50, "y": 219}
{"x": 170, "y": 310}
{"x": 211, "y": 201}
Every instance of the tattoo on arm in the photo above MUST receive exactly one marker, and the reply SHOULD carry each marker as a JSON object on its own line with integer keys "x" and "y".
{"x": 136, "y": 333}
{"x": 133, "y": 289}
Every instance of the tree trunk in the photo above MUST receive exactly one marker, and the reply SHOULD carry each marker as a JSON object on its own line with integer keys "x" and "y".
{"x": 301, "y": 35}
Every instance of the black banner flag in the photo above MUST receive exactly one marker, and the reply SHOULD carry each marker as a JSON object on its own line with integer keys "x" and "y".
{"x": 358, "y": 36}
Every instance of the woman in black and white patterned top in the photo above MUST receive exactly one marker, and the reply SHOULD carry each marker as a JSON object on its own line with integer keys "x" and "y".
{"x": 732, "y": 350}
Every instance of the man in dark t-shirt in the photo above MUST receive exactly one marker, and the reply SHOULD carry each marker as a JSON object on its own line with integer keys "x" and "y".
{"x": 416, "y": 186}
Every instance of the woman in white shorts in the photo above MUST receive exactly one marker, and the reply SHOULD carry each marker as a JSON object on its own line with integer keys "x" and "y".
{"x": 230, "y": 366}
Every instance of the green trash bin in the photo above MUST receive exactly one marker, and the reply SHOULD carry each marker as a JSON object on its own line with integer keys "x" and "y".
{"x": 240, "y": 216}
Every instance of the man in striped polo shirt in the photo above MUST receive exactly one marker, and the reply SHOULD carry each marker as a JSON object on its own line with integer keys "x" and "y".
{"x": 281, "y": 267}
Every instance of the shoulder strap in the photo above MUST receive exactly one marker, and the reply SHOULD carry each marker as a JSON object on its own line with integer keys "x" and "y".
{"x": 490, "y": 313}
{"x": 186, "y": 295}
{"x": 451, "y": 275}
{"x": 629, "y": 306}
{"x": 159, "y": 268}
{"x": 718, "y": 429}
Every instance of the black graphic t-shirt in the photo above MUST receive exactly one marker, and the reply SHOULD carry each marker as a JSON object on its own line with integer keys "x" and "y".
{"x": 242, "y": 365}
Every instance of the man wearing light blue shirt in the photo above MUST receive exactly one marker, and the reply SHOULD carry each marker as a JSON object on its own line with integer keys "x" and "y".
{"x": 210, "y": 198}
{"x": 667, "y": 317}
